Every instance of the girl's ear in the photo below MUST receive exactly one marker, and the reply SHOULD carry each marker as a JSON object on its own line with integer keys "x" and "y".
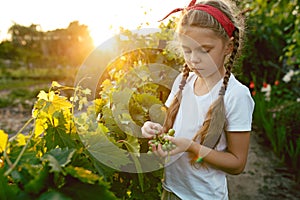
{"x": 229, "y": 46}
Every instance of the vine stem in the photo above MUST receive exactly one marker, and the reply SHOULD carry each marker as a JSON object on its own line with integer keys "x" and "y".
{"x": 12, "y": 138}
{"x": 11, "y": 168}
{"x": 23, "y": 127}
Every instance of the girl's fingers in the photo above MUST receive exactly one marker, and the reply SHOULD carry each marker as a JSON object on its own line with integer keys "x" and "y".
{"x": 170, "y": 138}
{"x": 147, "y": 134}
{"x": 154, "y": 150}
{"x": 150, "y": 129}
{"x": 157, "y": 150}
{"x": 161, "y": 152}
{"x": 155, "y": 129}
{"x": 174, "y": 152}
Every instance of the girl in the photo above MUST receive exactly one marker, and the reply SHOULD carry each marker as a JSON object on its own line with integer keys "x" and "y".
{"x": 210, "y": 110}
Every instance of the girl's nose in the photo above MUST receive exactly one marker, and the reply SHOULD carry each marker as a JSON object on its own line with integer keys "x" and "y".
{"x": 195, "y": 58}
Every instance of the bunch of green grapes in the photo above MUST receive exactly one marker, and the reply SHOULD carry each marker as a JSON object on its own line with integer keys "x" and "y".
{"x": 166, "y": 145}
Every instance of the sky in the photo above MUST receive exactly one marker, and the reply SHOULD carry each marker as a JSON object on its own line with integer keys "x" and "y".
{"x": 103, "y": 18}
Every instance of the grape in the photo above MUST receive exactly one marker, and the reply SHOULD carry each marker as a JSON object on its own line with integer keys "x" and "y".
{"x": 171, "y": 132}
{"x": 159, "y": 139}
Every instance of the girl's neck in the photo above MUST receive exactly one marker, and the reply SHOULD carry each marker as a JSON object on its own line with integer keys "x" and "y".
{"x": 203, "y": 86}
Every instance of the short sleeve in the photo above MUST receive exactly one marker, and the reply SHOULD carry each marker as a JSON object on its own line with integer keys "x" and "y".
{"x": 239, "y": 109}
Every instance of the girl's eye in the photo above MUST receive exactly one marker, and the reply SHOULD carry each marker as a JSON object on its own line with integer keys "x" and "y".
{"x": 205, "y": 50}
{"x": 187, "y": 51}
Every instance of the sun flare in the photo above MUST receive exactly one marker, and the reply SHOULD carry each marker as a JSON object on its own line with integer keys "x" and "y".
{"x": 102, "y": 18}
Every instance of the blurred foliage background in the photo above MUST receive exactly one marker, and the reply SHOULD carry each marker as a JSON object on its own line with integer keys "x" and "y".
{"x": 269, "y": 66}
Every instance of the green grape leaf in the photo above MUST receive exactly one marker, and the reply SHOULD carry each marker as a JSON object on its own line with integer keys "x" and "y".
{"x": 59, "y": 158}
{"x": 29, "y": 156}
{"x": 7, "y": 190}
{"x": 57, "y": 136}
{"x": 142, "y": 72}
{"x": 75, "y": 189}
{"x": 122, "y": 97}
{"x": 84, "y": 175}
{"x": 132, "y": 144}
{"x": 157, "y": 113}
{"x": 104, "y": 150}
{"x": 52, "y": 195}
{"x": 110, "y": 122}
{"x": 121, "y": 113}
{"x": 39, "y": 180}
{"x": 162, "y": 74}
{"x": 147, "y": 100}
{"x": 124, "y": 121}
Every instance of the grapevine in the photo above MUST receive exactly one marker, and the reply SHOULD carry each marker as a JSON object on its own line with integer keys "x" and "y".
{"x": 166, "y": 145}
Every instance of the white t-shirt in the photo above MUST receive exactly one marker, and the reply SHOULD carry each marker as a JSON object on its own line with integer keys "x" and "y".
{"x": 186, "y": 181}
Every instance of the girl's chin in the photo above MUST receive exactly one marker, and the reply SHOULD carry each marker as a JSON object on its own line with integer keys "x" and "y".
{"x": 201, "y": 75}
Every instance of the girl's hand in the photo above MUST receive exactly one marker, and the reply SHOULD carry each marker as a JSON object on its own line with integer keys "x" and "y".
{"x": 149, "y": 129}
{"x": 182, "y": 145}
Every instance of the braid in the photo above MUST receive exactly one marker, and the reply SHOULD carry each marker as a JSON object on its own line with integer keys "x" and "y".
{"x": 215, "y": 117}
{"x": 229, "y": 64}
{"x": 174, "y": 107}
{"x": 185, "y": 75}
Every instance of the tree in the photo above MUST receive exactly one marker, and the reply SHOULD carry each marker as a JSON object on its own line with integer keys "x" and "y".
{"x": 273, "y": 37}
{"x": 68, "y": 46}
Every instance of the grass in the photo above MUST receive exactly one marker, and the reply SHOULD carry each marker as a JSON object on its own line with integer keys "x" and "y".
{"x": 19, "y": 85}
{"x": 10, "y": 84}
{"x": 20, "y": 95}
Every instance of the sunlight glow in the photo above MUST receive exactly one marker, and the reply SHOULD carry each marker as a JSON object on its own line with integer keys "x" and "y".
{"x": 102, "y": 17}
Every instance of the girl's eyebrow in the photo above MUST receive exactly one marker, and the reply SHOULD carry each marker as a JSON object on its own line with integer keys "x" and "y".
{"x": 200, "y": 46}
{"x": 207, "y": 46}
{"x": 183, "y": 46}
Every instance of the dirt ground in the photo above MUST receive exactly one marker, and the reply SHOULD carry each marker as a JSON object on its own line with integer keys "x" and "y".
{"x": 264, "y": 177}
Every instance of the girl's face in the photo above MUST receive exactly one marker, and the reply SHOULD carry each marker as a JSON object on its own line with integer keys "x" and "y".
{"x": 204, "y": 51}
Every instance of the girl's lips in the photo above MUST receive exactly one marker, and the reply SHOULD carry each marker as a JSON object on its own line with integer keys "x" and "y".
{"x": 196, "y": 69}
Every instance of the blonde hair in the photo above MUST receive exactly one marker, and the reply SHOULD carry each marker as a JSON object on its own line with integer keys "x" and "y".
{"x": 215, "y": 120}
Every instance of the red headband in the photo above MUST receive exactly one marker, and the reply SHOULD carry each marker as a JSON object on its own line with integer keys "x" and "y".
{"x": 216, "y": 13}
